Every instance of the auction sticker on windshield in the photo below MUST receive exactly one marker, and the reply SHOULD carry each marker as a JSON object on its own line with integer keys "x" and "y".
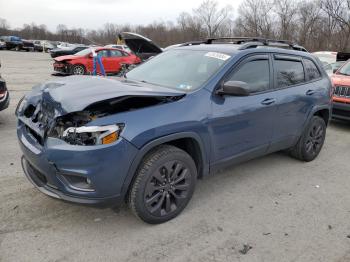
{"x": 216, "y": 55}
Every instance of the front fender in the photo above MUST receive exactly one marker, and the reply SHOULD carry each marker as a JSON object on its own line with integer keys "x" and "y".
{"x": 159, "y": 141}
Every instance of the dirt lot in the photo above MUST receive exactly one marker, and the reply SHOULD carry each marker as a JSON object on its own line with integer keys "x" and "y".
{"x": 284, "y": 209}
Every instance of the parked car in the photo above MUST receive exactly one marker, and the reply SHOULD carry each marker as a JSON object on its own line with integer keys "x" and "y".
{"x": 332, "y": 68}
{"x": 121, "y": 47}
{"x": 328, "y": 57}
{"x": 2, "y": 44}
{"x": 140, "y": 45}
{"x": 64, "y": 45}
{"x": 27, "y": 45}
{"x": 48, "y": 45}
{"x": 38, "y": 46}
{"x": 62, "y": 52}
{"x": 12, "y": 42}
{"x": 4, "y": 94}
{"x": 186, "y": 113}
{"x": 341, "y": 93}
{"x": 82, "y": 62}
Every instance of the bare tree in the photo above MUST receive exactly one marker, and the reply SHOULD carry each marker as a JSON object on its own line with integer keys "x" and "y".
{"x": 4, "y": 26}
{"x": 255, "y": 18}
{"x": 211, "y": 16}
{"x": 315, "y": 24}
{"x": 339, "y": 11}
{"x": 309, "y": 19}
{"x": 286, "y": 11}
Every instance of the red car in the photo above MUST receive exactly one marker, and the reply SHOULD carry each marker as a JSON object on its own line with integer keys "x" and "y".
{"x": 82, "y": 62}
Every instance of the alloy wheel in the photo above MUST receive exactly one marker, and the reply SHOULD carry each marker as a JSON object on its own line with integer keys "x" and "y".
{"x": 315, "y": 139}
{"x": 167, "y": 189}
{"x": 78, "y": 70}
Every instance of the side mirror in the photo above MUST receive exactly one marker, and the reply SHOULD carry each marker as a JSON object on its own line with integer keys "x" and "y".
{"x": 234, "y": 88}
{"x": 334, "y": 71}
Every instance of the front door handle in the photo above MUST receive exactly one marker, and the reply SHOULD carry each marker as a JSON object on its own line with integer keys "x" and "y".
{"x": 310, "y": 92}
{"x": 268, "y": 101}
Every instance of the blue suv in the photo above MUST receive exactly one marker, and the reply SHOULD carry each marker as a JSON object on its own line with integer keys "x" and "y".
{"x": 147, "y": 137}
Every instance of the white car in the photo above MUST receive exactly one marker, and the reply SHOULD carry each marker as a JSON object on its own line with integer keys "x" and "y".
{"x": 64, "y": 45}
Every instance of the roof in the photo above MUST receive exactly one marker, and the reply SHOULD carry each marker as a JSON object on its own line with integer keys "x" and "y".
{"x": 233, "y": 49}
{"x": 234, "y": 44}
{"x": 229, "y": 49}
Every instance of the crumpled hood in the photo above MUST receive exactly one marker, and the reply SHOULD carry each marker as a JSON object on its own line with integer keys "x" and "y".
{"x": 66, "y": 57}
{"x": 75, "y": 93}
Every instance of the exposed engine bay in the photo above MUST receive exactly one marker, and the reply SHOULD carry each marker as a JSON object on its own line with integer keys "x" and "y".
{"x": 72, "y": 128}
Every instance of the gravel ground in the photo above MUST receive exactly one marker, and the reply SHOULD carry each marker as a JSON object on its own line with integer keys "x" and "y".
{"x": 270, "y": 209}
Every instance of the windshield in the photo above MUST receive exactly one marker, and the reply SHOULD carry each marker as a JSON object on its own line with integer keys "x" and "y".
{"x": 345, "y": 70}
{"x": 179, "y": 69}
{"x": 83, "y": 52}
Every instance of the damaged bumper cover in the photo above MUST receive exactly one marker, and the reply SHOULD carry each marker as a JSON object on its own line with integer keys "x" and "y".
{"x": 62, "y": 68}
{"x": 80, "y": 174}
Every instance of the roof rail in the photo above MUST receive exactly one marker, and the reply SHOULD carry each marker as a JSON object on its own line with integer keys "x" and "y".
{"x": 237, "y": 40}
{"x": 253, "y": 42}
{"x": 193, "y": 43}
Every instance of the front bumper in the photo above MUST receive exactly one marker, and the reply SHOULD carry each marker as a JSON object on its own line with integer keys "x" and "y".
{"x": 341, "y": 111}
{"x": 62, "y": 68}
{"x": 47, "y": 167}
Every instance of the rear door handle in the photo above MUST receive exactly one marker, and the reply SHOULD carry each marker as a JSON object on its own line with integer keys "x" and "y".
{"x": 268, "y": 101}
{"x": 310, "y": 92}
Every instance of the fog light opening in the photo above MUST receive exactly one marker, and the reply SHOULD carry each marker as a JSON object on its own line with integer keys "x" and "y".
{"x": 78, "y": 182}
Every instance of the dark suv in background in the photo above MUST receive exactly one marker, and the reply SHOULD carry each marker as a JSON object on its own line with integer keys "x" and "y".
{"x": 188, "y": 112}
{"x": 12, "y": 42}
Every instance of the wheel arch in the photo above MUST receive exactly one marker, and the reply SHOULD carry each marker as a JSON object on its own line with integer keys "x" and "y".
{"x": 188, "y": 141}
{"x": 325, "y": 114}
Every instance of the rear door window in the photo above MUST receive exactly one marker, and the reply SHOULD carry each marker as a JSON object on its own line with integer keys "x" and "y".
{"x": 312, "y": 72}
{"x": 289, "y": 72}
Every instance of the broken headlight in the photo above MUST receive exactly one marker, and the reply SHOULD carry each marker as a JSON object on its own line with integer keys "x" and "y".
{"x": 91, "y": 135}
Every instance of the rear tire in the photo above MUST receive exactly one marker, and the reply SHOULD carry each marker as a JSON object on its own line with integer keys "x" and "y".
{"x": 78, "y": 70}
{"x": 311, "y": 141}
{"x": 163, "y": 185}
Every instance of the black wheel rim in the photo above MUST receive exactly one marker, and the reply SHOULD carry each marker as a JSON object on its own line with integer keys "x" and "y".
{"x": 167, "y": 189}
{"x": 315, "y": 139}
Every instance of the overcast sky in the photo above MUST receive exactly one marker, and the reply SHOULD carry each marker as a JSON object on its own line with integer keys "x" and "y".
{"x": 94, "y": 13}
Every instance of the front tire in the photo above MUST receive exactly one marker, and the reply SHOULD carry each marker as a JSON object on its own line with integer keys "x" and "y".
{"x": 164, "y": 184}
{"x": 311, "y": 141}
{"x": 78, "y": 70}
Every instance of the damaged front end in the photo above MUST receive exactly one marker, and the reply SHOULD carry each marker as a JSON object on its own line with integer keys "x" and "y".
{"x": 44, "y": 117}
{"x": 62, "y": 67}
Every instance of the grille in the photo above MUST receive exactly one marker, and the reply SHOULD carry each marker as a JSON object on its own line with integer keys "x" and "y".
{"x": 342, "y": 91}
